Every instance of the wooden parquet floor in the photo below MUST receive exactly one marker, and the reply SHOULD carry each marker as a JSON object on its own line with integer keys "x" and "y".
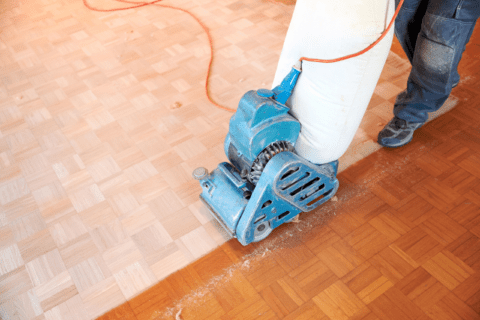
{"x": 103, "y": 117}
{"x": 401, "y": 242}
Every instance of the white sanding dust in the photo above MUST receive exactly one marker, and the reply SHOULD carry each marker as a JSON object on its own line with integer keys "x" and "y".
{"x": 288, "y": 236}
{"x": 199, "y": 296}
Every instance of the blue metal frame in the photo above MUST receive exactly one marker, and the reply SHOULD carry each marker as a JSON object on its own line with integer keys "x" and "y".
{"x": 288, "y": 183}
{"x": 284, "y": 190}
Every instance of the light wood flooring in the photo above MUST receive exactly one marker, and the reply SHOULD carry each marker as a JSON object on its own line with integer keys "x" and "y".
{"x": 103, "y": 116}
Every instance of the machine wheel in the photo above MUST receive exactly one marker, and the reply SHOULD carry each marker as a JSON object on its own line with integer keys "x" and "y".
{"x": 262, "y": 230}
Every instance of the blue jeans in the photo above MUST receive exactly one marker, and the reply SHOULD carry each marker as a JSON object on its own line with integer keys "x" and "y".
{"x": 433, "y": 34}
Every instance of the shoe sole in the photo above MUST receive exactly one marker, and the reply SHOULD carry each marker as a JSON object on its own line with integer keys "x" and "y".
{"x": 393, "y": 146}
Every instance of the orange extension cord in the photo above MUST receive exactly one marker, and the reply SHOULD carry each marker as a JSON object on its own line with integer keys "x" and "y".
{"x": 155, "y": 2}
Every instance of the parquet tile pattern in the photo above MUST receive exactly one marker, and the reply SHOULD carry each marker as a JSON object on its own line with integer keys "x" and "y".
{"x": 103, "y": 116}
{"x": 401, "y": 242}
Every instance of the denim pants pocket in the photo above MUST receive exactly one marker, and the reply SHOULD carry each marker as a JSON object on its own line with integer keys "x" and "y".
{"x": 439, "y": 48}
{"x": 434, "y": 57}
{"x": 434, "y": 63}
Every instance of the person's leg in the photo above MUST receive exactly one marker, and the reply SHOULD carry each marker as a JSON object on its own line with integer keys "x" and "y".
{"x": 456, "y": 76}
{"x": 445, "y": 30}
{"x": 408, "y": 24}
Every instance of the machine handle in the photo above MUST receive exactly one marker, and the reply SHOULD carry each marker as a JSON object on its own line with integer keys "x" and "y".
{"x": 284, "y": 90}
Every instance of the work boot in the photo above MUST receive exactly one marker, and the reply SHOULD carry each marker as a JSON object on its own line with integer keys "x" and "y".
{"x": 397, "y": 133}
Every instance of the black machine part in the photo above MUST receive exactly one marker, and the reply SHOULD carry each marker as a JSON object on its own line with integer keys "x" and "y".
{"x": 263, "y": 157}
{"x": 252, "y": 172}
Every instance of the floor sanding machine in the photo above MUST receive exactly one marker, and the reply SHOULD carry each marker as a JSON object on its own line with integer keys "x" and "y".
{"x": 266, "y": 183}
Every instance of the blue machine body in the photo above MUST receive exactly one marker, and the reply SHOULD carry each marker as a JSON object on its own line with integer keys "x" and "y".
{"x": 265, "y": 184}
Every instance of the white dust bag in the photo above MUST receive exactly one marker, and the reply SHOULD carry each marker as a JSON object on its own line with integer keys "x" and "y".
{"x": 330, "y": 99}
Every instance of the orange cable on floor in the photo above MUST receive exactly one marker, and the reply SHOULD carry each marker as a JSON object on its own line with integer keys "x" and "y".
{"x": 204, "y": 27}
